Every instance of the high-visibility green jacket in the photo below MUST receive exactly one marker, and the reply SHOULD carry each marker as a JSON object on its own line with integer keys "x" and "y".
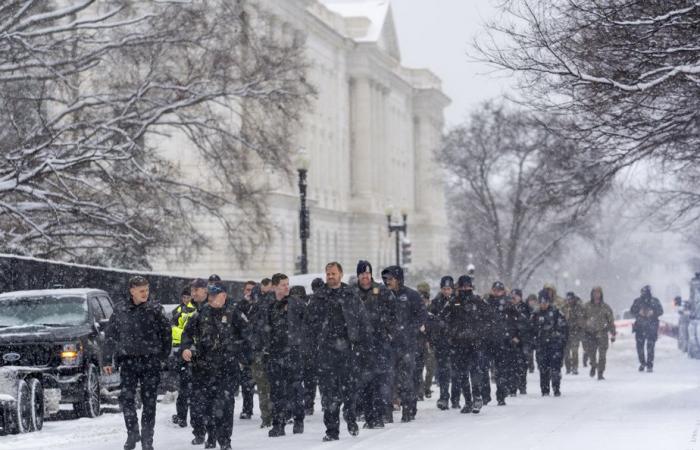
{"x": 181, "y": 315}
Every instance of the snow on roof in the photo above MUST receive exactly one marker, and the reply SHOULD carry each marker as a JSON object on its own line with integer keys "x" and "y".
{"x": 48, "y": 293}
{"x": 374, "y": 10}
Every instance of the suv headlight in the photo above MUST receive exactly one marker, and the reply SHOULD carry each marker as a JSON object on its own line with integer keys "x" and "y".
{"x": 72, "y": 354}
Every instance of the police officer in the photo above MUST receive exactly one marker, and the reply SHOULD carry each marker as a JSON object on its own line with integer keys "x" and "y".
{"x": 214, "y": 342}
{"x": 333, "y": 321}
{"x": 504, "y": 327}
{"x": 244, "y": 306}
{"x": 310, "y": 375}
{"x": 464, "y": 316}
{"x": 376, "y": 358}
{"x": 138, "y": 340}
{"x": 522, "y": 347}
{"x": 550, "y": 333}
{"x": 284, "y": 335}
{"x": 261, "y": 300}
{"x": 181, "y": 314}
{"x": 646, "y": 310}
{"x": 411, "y": 316}
{"x": 439, "y": 339}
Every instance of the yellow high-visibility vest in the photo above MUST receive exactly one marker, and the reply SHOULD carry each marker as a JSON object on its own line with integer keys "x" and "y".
{"x": 184, "y": 314}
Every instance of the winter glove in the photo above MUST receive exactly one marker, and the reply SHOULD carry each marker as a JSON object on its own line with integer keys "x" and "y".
{"x": 612, "y": 339}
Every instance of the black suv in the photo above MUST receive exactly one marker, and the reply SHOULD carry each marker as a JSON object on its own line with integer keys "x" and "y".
{"x": 59, "y": 332}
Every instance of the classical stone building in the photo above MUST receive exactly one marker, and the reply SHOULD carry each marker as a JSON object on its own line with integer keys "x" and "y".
{"x": 369, "y": 137}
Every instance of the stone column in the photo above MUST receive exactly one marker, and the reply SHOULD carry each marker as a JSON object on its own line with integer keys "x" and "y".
{"x": 361, "y": 144}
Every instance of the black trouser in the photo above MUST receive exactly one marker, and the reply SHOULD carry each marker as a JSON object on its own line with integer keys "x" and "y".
{"x": 247, "y": 389}
{"x": 377, "y": 389}
{"x": 405, "y": 381}
{"x": 466, "y": 362}
{"x": 418, "y": 371}
{"x": 213, "y": 399}
{"x": 504, "y": 360}
{"x": 285, "y": 375}
{"x": 443, "y": 372}
{"x": 647, "y": 337}
{"x": 135, "y": 371}
{"x": 521, "y": 366}
{"x": 184, "y": 390}
{"x": 549, "y": 362}
{"x": 335, "y": 376}
{"x": 310, "y": 383}
{"x": 486, "y": 359}
{"x": 455, "y": 390}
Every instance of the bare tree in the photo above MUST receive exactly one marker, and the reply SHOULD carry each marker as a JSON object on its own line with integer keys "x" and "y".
{"x": 626, "y": 72}
{"x": 90, "y": 90}
{"x": 502, "y": 210}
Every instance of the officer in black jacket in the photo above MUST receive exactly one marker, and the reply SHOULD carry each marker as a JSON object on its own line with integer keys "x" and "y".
{"x": 283, "y": 342}
{"x": 244, "y": 306}
{"x": 504, "y": 328}
{"x": 334, "y": 325}
{"x": 439, "y": 339}
{"x": 411, "y": 316}
{"x": 138, "y": 339}
{"x": 523, "y": 347}
{"x": 550, "y": 334}
{"x": 376, "y": 358}
{"x": 465, "y": 316}
{"x": 214, "y": 341}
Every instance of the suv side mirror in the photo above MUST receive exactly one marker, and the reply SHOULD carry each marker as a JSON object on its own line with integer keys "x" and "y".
{"x": 101, "y": 324}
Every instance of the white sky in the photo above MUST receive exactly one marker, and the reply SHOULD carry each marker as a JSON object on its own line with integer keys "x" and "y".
{"x": 436, "y": 34}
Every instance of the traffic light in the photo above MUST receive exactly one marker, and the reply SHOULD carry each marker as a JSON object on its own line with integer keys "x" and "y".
{"x": 406, "y": 251}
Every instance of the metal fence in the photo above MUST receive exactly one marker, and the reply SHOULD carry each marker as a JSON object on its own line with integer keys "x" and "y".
{"x": 24, "y": 273}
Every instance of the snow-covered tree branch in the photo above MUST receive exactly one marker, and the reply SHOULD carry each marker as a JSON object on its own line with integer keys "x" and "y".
{"x": 502, "y": 209}
{"x": 625, "y": 74}
{"x": 91, "y": 92}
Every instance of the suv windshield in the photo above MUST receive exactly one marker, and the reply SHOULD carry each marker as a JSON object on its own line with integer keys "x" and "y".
{"x": 43, "y": 310}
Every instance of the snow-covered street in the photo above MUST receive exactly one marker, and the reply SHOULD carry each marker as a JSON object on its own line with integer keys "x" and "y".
{"x": 629, "y": 410}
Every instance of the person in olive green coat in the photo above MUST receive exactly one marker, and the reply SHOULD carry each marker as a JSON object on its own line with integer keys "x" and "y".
{"x": 600, "y": 323}
{"x": 575, "y": 315}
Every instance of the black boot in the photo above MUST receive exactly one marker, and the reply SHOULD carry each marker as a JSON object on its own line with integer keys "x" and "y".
{"x": 353, "y": 429}
{"x": 443, "y": 404}
{"x": 406, "y": 414}
{"x": 298, "y": 427}
{"x": 211, "y": 442}
{"x": 330, "y": 437}
{"x": 276, "y": 431}
{"x": 389, "y": 415}
{"x": 198, "y": 440}
{"x": 131, "y": 440}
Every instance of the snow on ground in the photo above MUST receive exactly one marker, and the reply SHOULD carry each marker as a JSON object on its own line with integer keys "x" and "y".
{"x": 629, "y": 410}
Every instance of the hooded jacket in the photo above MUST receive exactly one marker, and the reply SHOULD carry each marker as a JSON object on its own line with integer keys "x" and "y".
{"x": 646, "y": 310}
{"x": 599, "y": 317}
{"x": 411, "y": 313}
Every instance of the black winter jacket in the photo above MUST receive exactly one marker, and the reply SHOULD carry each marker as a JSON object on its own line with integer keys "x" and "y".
{"x": 549, "y": 329}
{"x": 216, "y": 338}
{"x": 138, "y": 330}
{"x": 465, "y": 316}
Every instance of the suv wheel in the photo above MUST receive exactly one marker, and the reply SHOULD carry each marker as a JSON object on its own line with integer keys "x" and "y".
{"x": 21, "y": 415}
{"x": 89, "y": 406}
{"x": 37, "y": 404}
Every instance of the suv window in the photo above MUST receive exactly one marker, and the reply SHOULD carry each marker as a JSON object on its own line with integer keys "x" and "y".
{"x": 106, "y": 305}
{"x": 97, "y": 313}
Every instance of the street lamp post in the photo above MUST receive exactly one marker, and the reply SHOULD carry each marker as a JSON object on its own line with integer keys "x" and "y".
{"x": 396, "y": 228}
{"x": 304, "y": 221}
